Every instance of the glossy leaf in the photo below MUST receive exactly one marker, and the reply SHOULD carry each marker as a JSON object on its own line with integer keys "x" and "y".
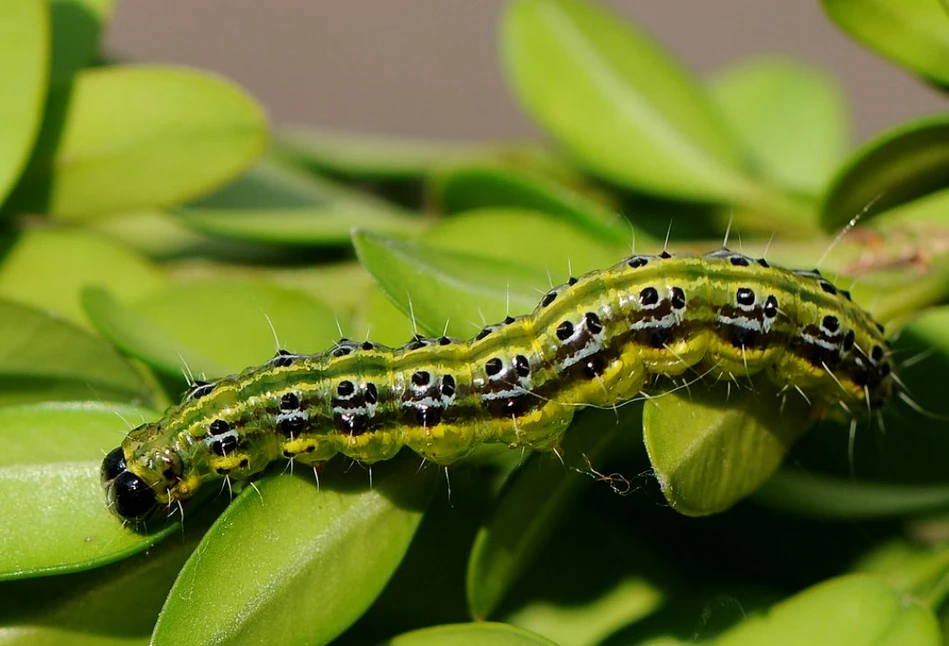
{"x": 901, "y": 165}
{"x": 447, "y": 286}
{"x": 54, "y": 509}
{"x": 114, "y": 604}
{"x": 617, "y": 102}
{"x": 932, "y": 208}
{"x": 176, "y": 326}
{"x": 162, "y": 236}
{"x": 855, "y": 610}
{"x": 342, "y": 286}
{"x": 490, "y": 634}
{"x": 48, "y": 268}
{"x": 135, "y": 335}
{"x": 595, "y": 576}
{"x": 911, "y": 33}
{"x": 535, "y": 499}
{"x": 837, "y": 498}
{"x": 791, "y": 117}
{"x": 380, "y": 318}
{"x": 911, "y": 567}
{"x": 711, "y": 448}
{"x": 543, "y": 241}
{"x": 24, "y": 57}
{"x": 475, "y": 187}
{"x": 296, "y": 560}
{"x": 276, "y": 204}
{"x": 360, "y": 156}
{"x": 76, "y": 27}
{"x": 42, "y": 358}
{"x": 130, "y": 137}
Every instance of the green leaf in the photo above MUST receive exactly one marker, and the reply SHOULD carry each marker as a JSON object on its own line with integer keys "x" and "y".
{"x": 296, "y": 560}
{"x": 619, "y": 103}
{"x": 477, "y": 186}
{"x": 24, "y": 57}
{"x": 490, "y": 634}
{"x": 903, "y": 164}
{"x": 216, "y": 326}
{"x": 912, "y": 568}
{"x": 343, "y": 286}
{"x": 359, "y": 156}
{"x": 54, "y": 509}
{"x": 382, "y": 319}
{"x": 836, "y": 498}
{"x": 932, "y": 208}
{"x": 276, "y": 204}
{"x": 791, "y": 117}
{"x": 436, "y": 286}
{"x": 76, "y": 26}
{"x": 534, "y": 501}
{"x": 614, "y": 578}
{"x": 130, "y": 137}
{"x": 912, "y": 33}
{"x": 48, "y": 268}
{"x": 855, "y": 610}
{"x": 153, "y": 232}
{"x": 162, "y": 236}
{"x": 42, "y": 358}
{"x": 710, "y": 448}
{"x": 547, "y": 242}
{"x": 139, "y": 337}
{"x": 115, "y": 604}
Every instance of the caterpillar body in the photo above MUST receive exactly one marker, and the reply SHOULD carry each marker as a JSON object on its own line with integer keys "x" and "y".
{"x": 599, "y": 340}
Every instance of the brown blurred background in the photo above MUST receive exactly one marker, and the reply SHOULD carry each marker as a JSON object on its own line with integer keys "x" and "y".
{"x": 429, "y": 67}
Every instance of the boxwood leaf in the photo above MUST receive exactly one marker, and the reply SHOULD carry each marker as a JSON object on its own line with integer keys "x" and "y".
{"x": 277, "y": 204}
{"x": 853, "y": 610}
{"x": 114, "y": 604}
{"x": 48, "y": 268}
{"x": 54, "y": 509}
{"x": 488, "y": 633}
{"x": 541, "y": 240}
{"x": 215, "y": 326}
{"x": 76, "y": 26}
{"x": 911, "y": 33}
{"x": 24, "y": 58}
{"x": 42, "y": 358}
{"x": 477, "y": 186}
{"x": 900, "y": 165}
{"x": 912, "y": 567}
{"x": 128, "y": 137}
{"x": 812, "y": 494}
{"x": 617, "y": 102}
{"x": 296, "y": 560}
{"x": 711, "y": 448}
{"x": 791, "y": 117}
{"x": 360, "y": 156}
{"x": 435, "y": 286}
{"x": 613, "y": 579}
{"x": 534, "y": 500}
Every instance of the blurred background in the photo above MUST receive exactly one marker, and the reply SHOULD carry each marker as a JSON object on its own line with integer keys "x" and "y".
{"x": 429, "y": 67}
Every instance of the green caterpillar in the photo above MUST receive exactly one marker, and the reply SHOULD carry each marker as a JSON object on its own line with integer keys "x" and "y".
{"x": 599, "y": 340}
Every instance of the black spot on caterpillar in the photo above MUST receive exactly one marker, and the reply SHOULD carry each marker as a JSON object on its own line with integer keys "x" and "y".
{"x": 599, "y": 340}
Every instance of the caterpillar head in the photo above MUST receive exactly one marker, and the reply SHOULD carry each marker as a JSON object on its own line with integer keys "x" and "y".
{"x": 143, "y": 475}
{"x": 128, "y": 495}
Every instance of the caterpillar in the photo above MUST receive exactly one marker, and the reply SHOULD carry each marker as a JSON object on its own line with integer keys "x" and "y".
{"x": 599, "y": 340}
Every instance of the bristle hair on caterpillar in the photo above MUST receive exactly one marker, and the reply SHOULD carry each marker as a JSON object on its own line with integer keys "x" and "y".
{"x": 599, "y": 340}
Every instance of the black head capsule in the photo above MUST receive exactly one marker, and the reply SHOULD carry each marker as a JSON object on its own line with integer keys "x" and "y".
{"x": 131, "y": 498}
{"x": 113, "y": 465}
